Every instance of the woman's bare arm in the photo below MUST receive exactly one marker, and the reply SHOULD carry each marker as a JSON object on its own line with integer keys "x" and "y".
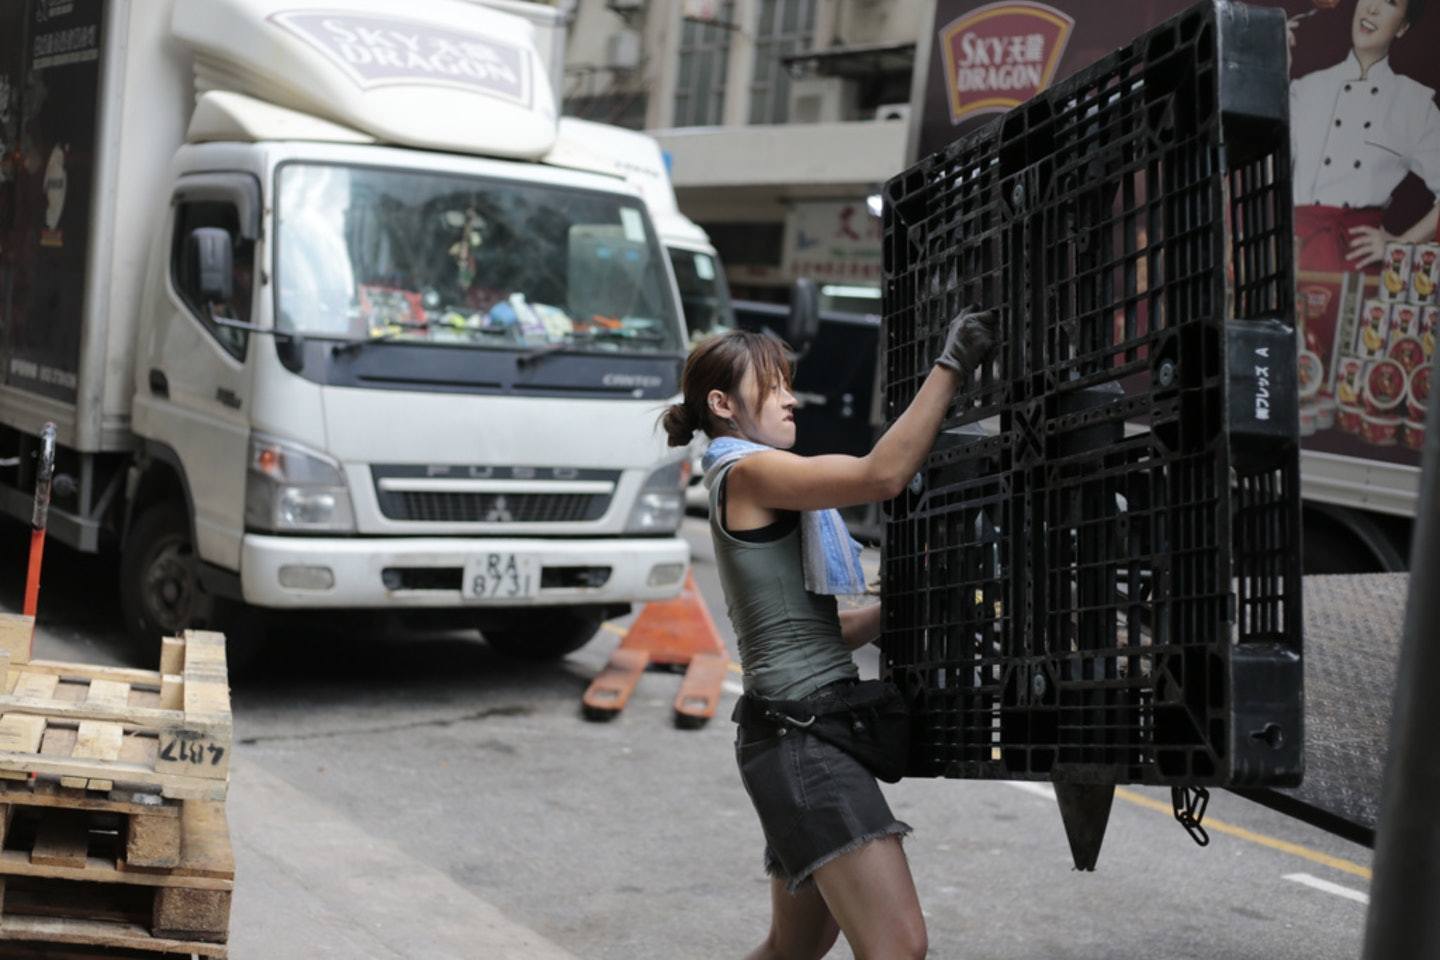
{"x": 860, "y": 626}
{"x": 781, "y": 480}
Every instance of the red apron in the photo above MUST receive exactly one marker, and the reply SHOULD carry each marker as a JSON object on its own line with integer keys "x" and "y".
{"x": 1322, "y": 238}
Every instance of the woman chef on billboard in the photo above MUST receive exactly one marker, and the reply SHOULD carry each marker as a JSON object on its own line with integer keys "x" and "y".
{"x": 1356, "y": 130}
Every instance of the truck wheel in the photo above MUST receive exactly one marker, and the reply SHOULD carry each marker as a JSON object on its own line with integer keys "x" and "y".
{"x": 545, "y": 634}
{"x": 161, "y": 596}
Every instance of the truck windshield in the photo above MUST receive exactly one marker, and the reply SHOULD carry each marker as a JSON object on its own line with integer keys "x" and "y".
{"x": 418, "y": 257}
{"x": 703, "y": 292}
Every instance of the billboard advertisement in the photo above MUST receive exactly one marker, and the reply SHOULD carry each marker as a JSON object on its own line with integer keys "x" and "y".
{"x": 1365, "y": 150}
{"x": 49, "y": 91}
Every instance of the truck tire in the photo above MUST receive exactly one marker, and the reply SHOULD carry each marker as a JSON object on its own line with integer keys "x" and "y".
{"x": 161, "y": 595}
{"x": 545, "y": 633}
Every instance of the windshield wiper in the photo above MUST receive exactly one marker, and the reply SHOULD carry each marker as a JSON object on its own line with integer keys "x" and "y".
{"x": 540, "y": 353}
{"x": 350, "y": 346}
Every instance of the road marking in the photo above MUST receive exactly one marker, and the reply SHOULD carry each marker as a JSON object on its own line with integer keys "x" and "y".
{"x": 1039, "y": 789}
{"x": 1284, "y": 846}
{"x": 730, "y": 686}
{"x": 1328, "y": 887}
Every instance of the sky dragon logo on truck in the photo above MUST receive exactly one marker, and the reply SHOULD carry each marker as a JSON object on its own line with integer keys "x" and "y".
{"x": 1000, "y": 55}
{"x": 376, "y": 51}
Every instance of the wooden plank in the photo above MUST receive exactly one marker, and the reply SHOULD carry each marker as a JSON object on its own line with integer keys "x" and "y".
{"x": 152, "y": 842}
{"x": 20, "y": 733}
{"x": 109, "y": 693}
{"x": 172, "y": 655}
{"x": 16, "y": 635}
{"x": 205, "y": 849}
{"x": 172, "y": 694}
{"x": 207, "y": 681}
{"x": 200, "y": 745}
{"x": 40, "y": 686}
{"x": 43, "y": 793}
{"x": 201, "y": 752}
{"x": 132, "y": 716}
{"x": 192, "y": 914}
{"x": 120, "y": 772}
{"x": 76, "y": 951}
{"x": 96, "y": 933}
{"x": 16, "y": 863}
{"x": 96, "y": 741}
{"x": 149, "y": 679}
{"x": 62, "y": 840}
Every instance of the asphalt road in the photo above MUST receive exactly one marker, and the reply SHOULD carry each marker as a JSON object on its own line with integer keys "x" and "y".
{"x": 410, "y": 795}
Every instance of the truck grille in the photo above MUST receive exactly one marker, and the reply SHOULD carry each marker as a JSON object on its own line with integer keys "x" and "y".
{"x": 492, "y": 507}
{"x": 492, "y": 494}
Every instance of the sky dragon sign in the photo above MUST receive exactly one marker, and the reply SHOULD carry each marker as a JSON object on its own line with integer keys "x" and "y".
{"x": 1000, "y": 55}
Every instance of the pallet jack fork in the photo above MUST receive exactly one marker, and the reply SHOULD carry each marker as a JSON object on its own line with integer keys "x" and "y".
{"x": 670, "y": 633}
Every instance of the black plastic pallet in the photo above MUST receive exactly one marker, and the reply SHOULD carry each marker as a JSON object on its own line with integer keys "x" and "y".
{"x": 1107, "y": 589}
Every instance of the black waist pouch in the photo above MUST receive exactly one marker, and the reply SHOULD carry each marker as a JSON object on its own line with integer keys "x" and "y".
{"x": 868, "y": 720}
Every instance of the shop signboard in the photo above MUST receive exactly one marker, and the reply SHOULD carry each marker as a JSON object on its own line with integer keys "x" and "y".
{"x": 1365, "y": 148}
{"x": 833, "y": 241}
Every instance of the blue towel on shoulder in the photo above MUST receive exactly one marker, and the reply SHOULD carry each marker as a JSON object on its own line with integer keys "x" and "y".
{"x": 831, "y": 555}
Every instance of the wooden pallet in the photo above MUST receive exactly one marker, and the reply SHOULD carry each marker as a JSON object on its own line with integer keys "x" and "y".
{"x": 64, "y": 880}
{"x": 167, "y": 731}
{"x": 149, "y": 824}
{"x": 41, "y": 950}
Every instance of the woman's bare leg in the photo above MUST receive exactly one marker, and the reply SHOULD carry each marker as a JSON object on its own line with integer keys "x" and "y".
{"x": 801, "y": 927}
{"x": 871, "y": 894}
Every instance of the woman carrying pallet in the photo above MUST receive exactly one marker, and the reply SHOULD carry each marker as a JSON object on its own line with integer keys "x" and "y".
{"x": 832, "y": 845}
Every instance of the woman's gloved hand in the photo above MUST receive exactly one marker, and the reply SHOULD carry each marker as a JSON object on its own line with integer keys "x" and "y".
{"x": 969, "y": 341}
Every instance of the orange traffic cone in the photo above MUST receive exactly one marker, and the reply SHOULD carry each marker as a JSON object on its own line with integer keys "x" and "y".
{"x": 677, "y": 632}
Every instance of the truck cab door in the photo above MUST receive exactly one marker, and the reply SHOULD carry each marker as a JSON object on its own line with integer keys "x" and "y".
{"x": 196, "y": 369}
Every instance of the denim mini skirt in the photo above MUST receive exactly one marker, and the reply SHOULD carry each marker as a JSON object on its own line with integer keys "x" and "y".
{"x": 815, "y": 801}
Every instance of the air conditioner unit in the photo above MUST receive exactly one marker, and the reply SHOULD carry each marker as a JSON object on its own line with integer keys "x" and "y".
{"x": 892, "y": 111}
{"x": 622, "y": 50}
{"x": 823, "y": 100}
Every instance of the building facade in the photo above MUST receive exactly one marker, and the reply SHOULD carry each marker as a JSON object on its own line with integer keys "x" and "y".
{"x": 780, "y": 119}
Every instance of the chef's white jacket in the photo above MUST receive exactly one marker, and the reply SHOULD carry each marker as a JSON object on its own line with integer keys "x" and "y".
{"x": 1353, "y": 139}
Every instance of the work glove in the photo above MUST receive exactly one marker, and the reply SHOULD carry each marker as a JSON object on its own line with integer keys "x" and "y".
{"x": 969, "y": 341}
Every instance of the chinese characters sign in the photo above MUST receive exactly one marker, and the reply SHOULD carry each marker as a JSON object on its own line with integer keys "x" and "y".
{"x": 1000, "y": 55}
{"x": 833, "y": 242}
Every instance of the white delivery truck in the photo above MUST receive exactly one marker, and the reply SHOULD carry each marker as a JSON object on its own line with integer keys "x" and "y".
{"x": 638, "y": 158}
{"x": 318, "y": 328}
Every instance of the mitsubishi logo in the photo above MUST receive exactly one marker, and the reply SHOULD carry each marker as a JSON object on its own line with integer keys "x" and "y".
{"x": 500, "y": 512}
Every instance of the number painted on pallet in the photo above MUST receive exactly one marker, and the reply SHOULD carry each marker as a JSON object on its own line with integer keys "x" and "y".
{"x": 195, "y": 752}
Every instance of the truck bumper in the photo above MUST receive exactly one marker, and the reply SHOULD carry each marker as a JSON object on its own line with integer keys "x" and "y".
{"x": 430, "y": 572}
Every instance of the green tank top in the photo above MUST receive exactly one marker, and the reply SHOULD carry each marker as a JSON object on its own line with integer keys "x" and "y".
{"x": 789, "y": 638}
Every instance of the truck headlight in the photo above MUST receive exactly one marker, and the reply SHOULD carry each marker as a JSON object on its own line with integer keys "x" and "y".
{"x": 661, "y": 504}
{"x": 289, "y": 489}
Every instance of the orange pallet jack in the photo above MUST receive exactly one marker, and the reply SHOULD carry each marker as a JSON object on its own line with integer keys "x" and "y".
{"x": 670, "y": 633}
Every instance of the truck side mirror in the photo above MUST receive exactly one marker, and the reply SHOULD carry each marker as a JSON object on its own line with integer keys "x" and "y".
{"x": 804, "y": 321}
{"x": 211, "y": 261}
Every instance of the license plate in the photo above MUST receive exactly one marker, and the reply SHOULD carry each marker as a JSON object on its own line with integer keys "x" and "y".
{"x": 501, "y": 576}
